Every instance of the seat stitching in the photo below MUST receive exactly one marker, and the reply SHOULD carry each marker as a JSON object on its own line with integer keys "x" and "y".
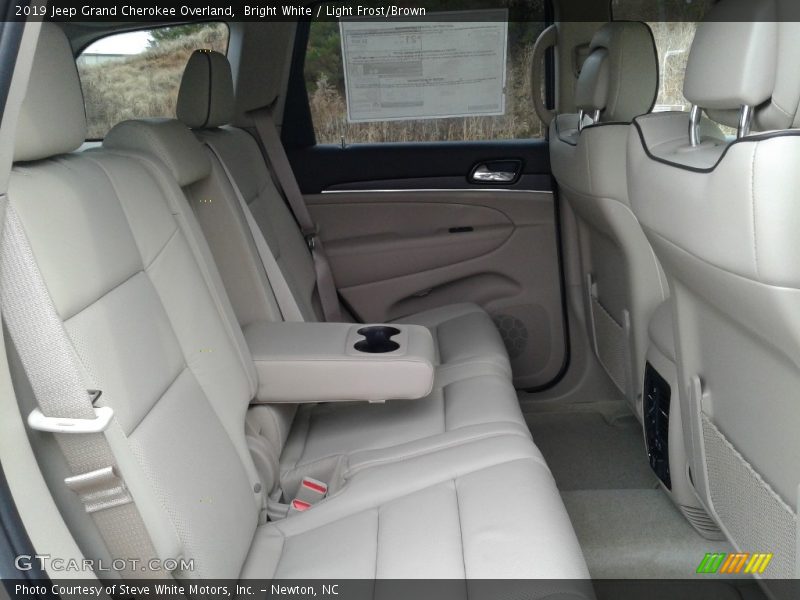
{"x": 711, "y": 264}
{"x": 127, "y": 215}
{"x": 296, "y": 464}
{"x": 780, "y": 108}
{"x": 444, "y": 408}
{"x": 194, "y": 244}
{"x": 753, "y": 204}
{"x": 158, "y": 398}
{"x": 381, "y": 461}
{"x": 422, "y": 488}
{"x": 420, "y": 452}
{"x": 460, "y": 530}
{"x": 101, "y": 296}
{"x": 377, "y": 539}
{"x": 621, "y": 69}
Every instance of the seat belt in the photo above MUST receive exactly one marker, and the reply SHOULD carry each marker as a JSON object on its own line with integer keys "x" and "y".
{"x": 283, "y": 293}
{"x": 326, "y": 286}
{"x": 66, "y": 408}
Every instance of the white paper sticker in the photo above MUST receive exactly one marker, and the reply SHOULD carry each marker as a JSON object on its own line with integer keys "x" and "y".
{"x": 446, "y": 65}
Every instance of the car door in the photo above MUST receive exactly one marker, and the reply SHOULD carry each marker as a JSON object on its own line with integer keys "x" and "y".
{"x": 419, "y": 214}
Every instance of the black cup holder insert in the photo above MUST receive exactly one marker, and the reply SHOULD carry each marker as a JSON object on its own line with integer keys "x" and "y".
{"x": 378, "y": 339}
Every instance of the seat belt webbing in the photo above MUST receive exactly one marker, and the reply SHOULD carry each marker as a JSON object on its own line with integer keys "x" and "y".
{"x": 326, "y": 286}
{"x": 65, "y": 405}
{"x": 283, "y": 293}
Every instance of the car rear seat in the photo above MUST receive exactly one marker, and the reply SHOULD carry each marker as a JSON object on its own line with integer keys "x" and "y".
{"x": 327, "y": 442}
{"x": 131, "y": 280}
{"x": 464, "y": 333}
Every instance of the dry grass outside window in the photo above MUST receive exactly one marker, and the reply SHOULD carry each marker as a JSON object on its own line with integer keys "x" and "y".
{"x": 142, "y": 85}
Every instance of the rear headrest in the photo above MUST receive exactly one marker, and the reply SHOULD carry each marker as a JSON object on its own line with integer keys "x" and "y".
{"x": 620, "y": 75}
{"x": 206, "y": 98}
{"x": 734, "y": 56}
{"x": 168, "y": 140}
{"x": 52, "y": 119}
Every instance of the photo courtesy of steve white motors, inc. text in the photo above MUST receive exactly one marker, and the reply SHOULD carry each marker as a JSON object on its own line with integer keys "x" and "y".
{"x": 162, "y": 589}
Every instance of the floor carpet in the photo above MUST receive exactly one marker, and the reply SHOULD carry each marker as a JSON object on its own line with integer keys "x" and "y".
{"x": 585, "y": 451}
{"x": 627, "y": 526}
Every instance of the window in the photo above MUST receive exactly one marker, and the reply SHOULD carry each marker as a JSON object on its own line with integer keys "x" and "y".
{"x": 137, "y": 74}
{"x": 673, "y": 41}
{"x": 512, "y": 118}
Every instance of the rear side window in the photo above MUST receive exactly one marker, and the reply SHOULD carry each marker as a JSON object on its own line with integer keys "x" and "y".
{"x": 450, "y": 76}
{"x": 137, "y": 74}
{"x": 673, "y": 41}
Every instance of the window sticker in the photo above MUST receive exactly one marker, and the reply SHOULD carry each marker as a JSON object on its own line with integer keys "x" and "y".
{"x": 450, "y": 64}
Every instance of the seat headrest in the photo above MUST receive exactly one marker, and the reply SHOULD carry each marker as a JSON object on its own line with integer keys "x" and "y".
{"x": 734, "y": 56}
{"x": 206, "y": 97}
{"x": 52, "y": 119}
{"x": 168, "y": 140}
{"x": 620, "y": 75}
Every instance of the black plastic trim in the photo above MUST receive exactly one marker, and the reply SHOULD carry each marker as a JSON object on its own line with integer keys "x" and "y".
{"x": 14, "y": 540}
{"x": 297, "y": 129}
{"x": 549, "y": 64}
{"x": 10, "y": 38}
{"x": 531, "y": 182}
{"x": 326, "y": 166}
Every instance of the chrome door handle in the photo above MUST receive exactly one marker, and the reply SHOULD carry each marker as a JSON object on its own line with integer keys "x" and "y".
{"x": 483, "y": 174}
{"x": 501, "y": 171}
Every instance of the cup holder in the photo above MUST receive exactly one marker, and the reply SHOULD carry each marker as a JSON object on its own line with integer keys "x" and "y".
{"x": 377, "y": 339}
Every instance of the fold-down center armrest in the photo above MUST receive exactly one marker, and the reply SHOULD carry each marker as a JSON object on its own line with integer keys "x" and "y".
{"x": 330, "y": 362}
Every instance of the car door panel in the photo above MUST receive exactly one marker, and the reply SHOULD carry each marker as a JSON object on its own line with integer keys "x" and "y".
{"x": 394, "y": 253}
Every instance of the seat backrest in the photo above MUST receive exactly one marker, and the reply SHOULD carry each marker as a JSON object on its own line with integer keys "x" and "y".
{"x": 723, "y": 218}
{"x": 206, "y": 105}
{"x": 144, "y": 311}
{"x": 170, "y": 144}
{"x": 623, "y": 282}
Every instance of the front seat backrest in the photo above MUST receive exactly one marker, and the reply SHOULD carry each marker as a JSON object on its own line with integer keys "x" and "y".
{"x": 723, "y": 218}
{"x": 623, "y": 281}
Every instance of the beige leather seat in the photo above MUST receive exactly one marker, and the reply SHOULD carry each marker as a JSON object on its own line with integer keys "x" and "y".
{"x": 465, "y": 334}
{"x": 723, "y": 217}
{"x": 328, "y": 442}
{"x": 622, "y": 278}
{"x": 473, "y": 396}
{"x": 143, "y": 308}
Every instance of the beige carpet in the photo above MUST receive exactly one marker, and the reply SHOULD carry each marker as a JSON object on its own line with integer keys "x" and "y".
{"x": 627, "y": 526}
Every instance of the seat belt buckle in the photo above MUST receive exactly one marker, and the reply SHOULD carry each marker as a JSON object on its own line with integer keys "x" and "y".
{"x": 103, "y": 415}
{"x": 311, "y": 490}
{"x": 297, "y": 506}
